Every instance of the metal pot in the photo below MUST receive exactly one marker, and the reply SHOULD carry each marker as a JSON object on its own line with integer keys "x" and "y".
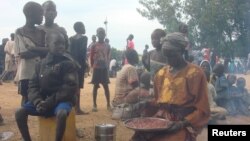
{"x": 105, "y": 132}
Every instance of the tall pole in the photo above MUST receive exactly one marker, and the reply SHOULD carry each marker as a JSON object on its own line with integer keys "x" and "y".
{"x": 106, "y": 26}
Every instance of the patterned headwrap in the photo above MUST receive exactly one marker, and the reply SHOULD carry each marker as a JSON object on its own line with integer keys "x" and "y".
{"x": 175, "y": 39}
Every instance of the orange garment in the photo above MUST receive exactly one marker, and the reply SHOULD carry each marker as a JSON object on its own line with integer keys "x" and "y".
{"x": 176, "y": 95}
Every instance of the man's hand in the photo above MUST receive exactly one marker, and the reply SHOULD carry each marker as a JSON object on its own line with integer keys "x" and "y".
{"x": 41, "y": 107}
{"x": 177, "y": 125}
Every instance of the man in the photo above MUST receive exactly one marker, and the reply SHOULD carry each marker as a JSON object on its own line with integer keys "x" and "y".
{"x": 180, "y": 90}
{"x": 52, "y": 88}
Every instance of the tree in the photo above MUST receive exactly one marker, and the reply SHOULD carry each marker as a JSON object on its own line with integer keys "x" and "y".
{"x": 116, "y": 54}
{"x": 222, "y": 24}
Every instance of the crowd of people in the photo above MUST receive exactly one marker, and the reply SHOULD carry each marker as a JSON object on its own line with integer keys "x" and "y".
{"x": 49, "y": 68}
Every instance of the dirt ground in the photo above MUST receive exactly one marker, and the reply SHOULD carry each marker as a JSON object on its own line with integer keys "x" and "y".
{"x": 10, "y": 101}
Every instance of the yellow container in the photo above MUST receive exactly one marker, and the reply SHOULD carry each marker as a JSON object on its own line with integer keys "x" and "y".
{"x": 47, "y": 128}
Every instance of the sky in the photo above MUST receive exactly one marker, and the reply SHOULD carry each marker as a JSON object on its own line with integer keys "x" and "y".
{"x": 122, "y": 17}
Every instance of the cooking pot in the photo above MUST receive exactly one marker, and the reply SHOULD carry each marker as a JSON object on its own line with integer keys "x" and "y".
{"x": 105, "y": 132}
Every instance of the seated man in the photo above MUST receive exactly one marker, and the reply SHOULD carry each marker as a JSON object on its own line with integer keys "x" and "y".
{"x": 52, "y": 88}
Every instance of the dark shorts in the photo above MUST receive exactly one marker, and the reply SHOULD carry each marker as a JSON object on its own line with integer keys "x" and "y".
{"x": 23, "y": 87}
{"x": 100, "y": 75}
{"x": 31, "y": 109}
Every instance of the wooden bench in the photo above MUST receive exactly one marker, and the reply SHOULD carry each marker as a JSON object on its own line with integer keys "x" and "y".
{"x": 47, "y": 128}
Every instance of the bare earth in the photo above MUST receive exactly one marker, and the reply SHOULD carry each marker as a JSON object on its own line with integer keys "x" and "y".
{"x": 10, "y": 101}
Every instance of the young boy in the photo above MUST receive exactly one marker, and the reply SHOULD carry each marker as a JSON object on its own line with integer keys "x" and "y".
{"x": 99, "y": 58}
{"x": 30, "y": 45}
{"x": 242, "y": 100}
{"x": 50, "y": 13}
{"x": 155, "y": 59}
{"x": 52, "y": 88}
{"x": 217, "y": 113}
{"x": 78, "y": 50}
{"x": 230, "y": 97}
{"x": 220, "y": 83}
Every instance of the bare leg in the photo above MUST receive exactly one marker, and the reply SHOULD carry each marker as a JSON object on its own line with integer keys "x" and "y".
{"x": 95, "y": 88}
{"x": 107, "y": 95}
{"x": 78, "y": 107}
{"x": 61, "y": 117}
{"x": 21, "y": 120}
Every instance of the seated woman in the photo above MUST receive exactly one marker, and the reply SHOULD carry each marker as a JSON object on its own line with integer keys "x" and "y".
{"x": 180, "y": 95}
{"x": 128, "y": 90}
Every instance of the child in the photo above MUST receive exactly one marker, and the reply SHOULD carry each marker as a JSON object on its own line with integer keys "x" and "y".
{"x": 100, "y": 57}
{"x": 205, "y": 65}
{"x": 220, "y": 84}
{"x": 156, "y": 60}
{"x": 50, "y": 13}
{"x": 52, "y": 88}
{"x": 30, "y": 45}
{"x": 217, "y": 113}
{"x": 232, "y": 91}
{"x": 130, "y": 42}
{"x": 78, "y": 50}
{"x": 242, "y": 98}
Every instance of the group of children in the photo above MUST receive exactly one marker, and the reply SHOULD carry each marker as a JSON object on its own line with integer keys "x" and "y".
{"x": 51, "y": 67}
{"x": 231, "y": 92}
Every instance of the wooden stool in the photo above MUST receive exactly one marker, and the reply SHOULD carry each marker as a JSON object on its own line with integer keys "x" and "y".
{"x": 47, "y": 128}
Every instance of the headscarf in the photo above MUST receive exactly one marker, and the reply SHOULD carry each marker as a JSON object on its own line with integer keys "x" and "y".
{"x": 175, "y": 39}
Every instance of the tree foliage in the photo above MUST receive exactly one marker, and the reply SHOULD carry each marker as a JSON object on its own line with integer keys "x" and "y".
{"x": 222, "y": 24}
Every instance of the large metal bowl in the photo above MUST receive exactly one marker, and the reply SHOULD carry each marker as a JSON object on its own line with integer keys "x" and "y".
{"x": 165, "y": 123}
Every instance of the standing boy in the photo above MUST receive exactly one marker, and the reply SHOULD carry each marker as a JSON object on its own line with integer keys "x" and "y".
{"x": 30, "y": 45}
{"x": 78, "y": 49}
{"x": 99, "y": 58}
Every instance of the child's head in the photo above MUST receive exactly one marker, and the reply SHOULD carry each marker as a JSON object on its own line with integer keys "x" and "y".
{"x": 145, "y": 80}
{"x": 231, "y": 78}
{"x": 130, "y": 37}
{"x": 93, "y": 38}
{"x": 100, "y": 33}
{"x": 55, "y": 42}
{"x": 218, "y": 69}
{"x": 146, "y": 46}
{"x": 156, "y": 37}
{"x": 132, "y": 56}
{"x": 106, "y": 40}
{"x": 12, "y": 36}
{"x": 205, "y": 65}
{"x": 241, "y": 82}
{"x": 33, "y": 12}
{"x": 50, "y": 12}
{"x": 183, "y": 28}
{"x": 79, "y": 28}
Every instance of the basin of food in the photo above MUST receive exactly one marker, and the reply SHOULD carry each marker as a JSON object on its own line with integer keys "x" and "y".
{"x": 147, "y": 124}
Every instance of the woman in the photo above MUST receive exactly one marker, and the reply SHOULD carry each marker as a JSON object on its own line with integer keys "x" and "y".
{"x": 180, "y": 90}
